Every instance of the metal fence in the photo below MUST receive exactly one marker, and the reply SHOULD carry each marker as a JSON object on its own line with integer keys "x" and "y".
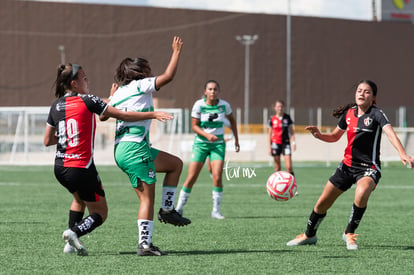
{"x": 22, "y": 129}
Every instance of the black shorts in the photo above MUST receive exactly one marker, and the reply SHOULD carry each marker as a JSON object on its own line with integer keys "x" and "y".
{"x": 345, "y": 176}
{"x": 278, "y": 149}
{"x": 84, "y": 181}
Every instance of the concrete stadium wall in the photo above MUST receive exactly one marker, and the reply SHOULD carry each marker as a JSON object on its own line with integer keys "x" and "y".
{"x": 328, "y": 55}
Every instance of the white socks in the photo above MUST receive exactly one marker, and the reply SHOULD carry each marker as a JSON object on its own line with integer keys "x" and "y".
{"x": 145, "y": 228}
{"x": 217, "y": 198}
{"x": 182, "y": 200}
{"x": 168, "y": 197}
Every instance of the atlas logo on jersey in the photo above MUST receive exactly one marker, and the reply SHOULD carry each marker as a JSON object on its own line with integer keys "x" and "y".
{"x": 368, "y": 121}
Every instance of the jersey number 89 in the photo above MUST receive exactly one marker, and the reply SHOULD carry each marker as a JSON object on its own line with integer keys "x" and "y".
{"x": 68, "y": 133}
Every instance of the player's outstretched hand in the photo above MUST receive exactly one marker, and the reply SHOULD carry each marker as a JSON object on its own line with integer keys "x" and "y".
{"x": 162, "y": 116}
{"x": 407, "y": 161}
{"x": 314, "y": 131}
{"x": 177, "y": 43}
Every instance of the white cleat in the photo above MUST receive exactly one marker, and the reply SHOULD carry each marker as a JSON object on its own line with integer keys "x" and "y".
{"x": 350, "y": 240}
{"x": 302, "y": 239}
{"x": 68, "y": 249}
{"x": 70, "y": 237}
{"x": 217, "y": 215}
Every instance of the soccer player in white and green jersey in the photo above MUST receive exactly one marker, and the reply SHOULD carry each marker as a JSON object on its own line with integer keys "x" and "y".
{"x": 208, "y": 117}
{"x": 132, "y": 91}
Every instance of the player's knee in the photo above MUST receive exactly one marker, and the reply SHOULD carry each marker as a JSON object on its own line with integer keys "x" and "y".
{"x": 179, "y": 164}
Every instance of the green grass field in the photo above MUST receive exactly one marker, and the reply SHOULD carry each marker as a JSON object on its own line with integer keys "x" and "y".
{"x": 251, "y": 240}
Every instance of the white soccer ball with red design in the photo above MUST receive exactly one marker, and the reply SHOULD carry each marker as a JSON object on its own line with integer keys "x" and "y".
{"x": 281, "y": 186}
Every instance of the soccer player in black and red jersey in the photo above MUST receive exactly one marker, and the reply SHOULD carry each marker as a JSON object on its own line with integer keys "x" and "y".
{"x": 71, "y": 126}
{"x": 281, "y": 137}
{"x": 363, "y": 123}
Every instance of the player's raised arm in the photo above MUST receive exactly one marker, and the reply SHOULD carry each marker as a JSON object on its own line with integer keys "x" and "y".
{"x": 169, "y": 72}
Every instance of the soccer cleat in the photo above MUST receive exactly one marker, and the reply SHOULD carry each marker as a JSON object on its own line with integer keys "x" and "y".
{"x": 172, "y": 217}
{"x": 350, "y": 239}
{"x": 150, "y": 251}
{"x": 180, "y": 211}
{"x": 217, "y": 215}
{"x": 302, "y": 239}
{"x": 70, "y": 237}
{"x": 68, "y": 249}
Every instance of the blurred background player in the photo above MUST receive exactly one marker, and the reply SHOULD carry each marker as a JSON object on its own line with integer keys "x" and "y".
{"x": 281, "y": 137}
{"x": 364, "y": 123}
{"x": 71, "y": 126}
{"x": 226, "y": 139}
{"x": 132, "y": 91}
{"x": 208, "y": 117}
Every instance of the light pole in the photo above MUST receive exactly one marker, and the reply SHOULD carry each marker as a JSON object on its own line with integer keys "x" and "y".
{"x": 247, "y": 41}
{"x": 62, "y": 54}
{"x": 288, "y": 57}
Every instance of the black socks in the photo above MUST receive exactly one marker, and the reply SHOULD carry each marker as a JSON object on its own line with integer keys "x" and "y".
{"x": 87, "y": 225}
{"x": 355, "y": 218}
{"x": 314, "y": 221}
{"x": 74, "y": 218}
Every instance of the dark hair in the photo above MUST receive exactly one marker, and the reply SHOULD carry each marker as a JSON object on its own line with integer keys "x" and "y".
{"x": 338, "y": 112}
{"x": 279, "y": 101}
{"x": 211, "y": 81}
{"x": 65, "y": 74}
{"x": 131, "y": 69}
{"x": 371, "y": 84}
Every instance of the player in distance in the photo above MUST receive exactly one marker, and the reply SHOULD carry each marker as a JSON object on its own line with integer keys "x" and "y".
{"x": 208, "y": 117}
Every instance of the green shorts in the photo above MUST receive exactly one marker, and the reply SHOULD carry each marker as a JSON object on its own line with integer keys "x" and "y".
{"x": 137, "y": 161}
{"x": 202, "y": 150}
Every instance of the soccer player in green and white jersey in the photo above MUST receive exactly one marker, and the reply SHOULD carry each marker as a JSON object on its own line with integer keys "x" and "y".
{"x": 208, "y": 117}
{"x": 132, "y": 91}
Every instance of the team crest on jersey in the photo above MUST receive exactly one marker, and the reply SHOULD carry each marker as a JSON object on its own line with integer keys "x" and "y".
{"x": 367, "y": 121}
{"x": 151, "y": 173}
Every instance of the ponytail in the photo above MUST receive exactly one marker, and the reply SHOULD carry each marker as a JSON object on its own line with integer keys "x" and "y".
{"x": 65, "y": 74}
{"x": 338, "y": 112}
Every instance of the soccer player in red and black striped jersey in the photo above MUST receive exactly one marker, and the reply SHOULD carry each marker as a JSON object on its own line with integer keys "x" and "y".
{"x": 281, "y": 137}
{"x": 363, "y": 123}
{"x": 71, "y": 126}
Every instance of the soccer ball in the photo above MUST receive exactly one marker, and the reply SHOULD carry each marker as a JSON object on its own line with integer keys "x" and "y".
{"x": 281, "y": 186}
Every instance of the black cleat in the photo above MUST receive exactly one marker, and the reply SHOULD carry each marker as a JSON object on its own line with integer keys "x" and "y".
{"x": 150, "y": 251}
{"x": 172, "y": 217}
